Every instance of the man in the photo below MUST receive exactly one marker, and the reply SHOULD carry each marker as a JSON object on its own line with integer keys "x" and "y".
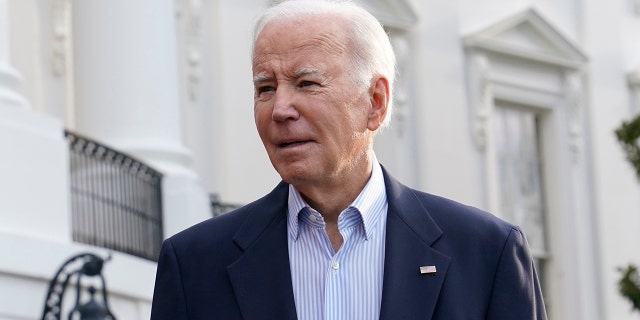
{"x": 339, "y": 238}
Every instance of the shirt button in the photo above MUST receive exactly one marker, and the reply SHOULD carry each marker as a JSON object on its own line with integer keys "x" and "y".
{"x": 335, "y": 265}
{"x": 313, "y": 218}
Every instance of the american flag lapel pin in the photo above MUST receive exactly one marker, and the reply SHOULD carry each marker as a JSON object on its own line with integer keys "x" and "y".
{"x": 431, "y": 270}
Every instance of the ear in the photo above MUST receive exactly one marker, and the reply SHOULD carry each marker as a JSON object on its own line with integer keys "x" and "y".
{"x": 379, "y": 95}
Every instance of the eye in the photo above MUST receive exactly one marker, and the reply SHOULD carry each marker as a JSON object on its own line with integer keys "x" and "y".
{"x": 306, "y": 83}
{"x": 264, "y": 89}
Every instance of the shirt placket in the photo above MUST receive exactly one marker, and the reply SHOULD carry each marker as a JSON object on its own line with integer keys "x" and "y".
{"x": 337, "y": 272}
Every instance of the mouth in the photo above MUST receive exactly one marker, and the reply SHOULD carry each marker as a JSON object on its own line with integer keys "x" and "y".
{"x": 291, "y": 144}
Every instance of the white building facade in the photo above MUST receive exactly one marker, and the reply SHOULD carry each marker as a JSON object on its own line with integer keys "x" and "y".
{"x": 509, "y": 106}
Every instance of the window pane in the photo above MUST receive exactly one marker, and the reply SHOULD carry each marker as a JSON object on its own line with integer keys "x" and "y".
{"x": 518, "y": 156}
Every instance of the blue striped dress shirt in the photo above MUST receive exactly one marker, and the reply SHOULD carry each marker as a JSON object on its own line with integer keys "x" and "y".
{"x": 346, "y": 284}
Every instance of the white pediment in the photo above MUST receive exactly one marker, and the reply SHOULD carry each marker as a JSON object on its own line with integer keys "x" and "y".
{"x": 391, "y": 13}
{"x": 528, "y": 35}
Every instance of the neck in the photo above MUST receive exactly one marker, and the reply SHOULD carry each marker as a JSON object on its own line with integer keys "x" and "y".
{"x": 330, "y": 199}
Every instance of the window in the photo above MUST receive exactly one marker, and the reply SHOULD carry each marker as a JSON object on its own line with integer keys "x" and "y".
{"x": 527, "y": 99}
{"x": 519, "y": 170}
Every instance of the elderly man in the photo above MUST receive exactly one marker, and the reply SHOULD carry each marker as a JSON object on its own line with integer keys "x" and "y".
{"x": 339, "y": 238}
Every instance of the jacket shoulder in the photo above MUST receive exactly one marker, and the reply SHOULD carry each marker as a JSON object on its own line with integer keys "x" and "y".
{"x": 223, "y": 228}
{"x": 463, "y": 219}
{"x": 212, "y": 233}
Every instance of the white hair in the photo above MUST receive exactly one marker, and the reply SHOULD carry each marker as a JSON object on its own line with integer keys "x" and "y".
{"x": 372, "y": 51}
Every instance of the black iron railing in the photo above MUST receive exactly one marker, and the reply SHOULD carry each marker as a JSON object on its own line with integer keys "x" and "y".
{"x": 116, "y": 200}
{"x": 218, "y": 207}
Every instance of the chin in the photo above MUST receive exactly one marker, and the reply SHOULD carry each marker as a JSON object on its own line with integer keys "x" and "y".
{"x": 291, "y": 178}
{"x": 294, "y": 177}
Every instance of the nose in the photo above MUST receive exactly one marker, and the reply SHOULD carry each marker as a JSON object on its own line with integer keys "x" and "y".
{"x": 284, "y": 107}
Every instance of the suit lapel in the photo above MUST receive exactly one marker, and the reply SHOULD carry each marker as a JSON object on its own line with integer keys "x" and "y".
{"x": 406, "y": 293}
{"x": 261, "y": 277}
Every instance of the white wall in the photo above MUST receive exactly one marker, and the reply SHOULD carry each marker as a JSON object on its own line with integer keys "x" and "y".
{"x": 616, "y": 188}
{"x": 245, "y": 172}
{"x": 449, "y": 164}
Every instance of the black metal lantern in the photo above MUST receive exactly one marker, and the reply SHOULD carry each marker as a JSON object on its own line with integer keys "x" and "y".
{"x": 92, "y": 309}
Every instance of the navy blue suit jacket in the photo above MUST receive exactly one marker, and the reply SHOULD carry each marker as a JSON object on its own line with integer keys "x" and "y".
{"x": 236, "y": 266}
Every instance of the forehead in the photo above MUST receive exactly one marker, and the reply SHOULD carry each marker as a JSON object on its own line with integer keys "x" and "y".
{"x": 301, "y": 38}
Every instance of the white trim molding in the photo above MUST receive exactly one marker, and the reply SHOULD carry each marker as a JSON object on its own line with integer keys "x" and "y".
{"x": 518, "y": 59}
{"x": 481, "y": 97}
{"x": 575, "y": 103}
{"x": 60, "y": 33}
{"x": 190, "y": 11}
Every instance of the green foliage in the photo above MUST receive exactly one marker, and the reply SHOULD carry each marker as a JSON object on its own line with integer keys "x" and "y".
{"x": 629, "y": 134}
{"x": 629, "y": 285}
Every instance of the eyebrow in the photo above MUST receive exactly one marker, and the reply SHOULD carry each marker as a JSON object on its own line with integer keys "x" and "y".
{"x": 307, "y": 71}
{"x": 265, "y": 77}
{"x": 322, "y": 77}
{"x": 260, "y": 78}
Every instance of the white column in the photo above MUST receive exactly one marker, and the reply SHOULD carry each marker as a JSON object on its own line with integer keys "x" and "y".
{"x": 33, "y": 165}
{"x": 9, "y": 77}
{"x": 126, "y": 94}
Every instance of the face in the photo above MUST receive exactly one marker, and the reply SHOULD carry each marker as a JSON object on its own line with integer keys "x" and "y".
{"x": 313, "y": 118}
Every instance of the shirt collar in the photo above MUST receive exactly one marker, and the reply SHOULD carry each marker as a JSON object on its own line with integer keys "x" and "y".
{"x": 370, "y": 203}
